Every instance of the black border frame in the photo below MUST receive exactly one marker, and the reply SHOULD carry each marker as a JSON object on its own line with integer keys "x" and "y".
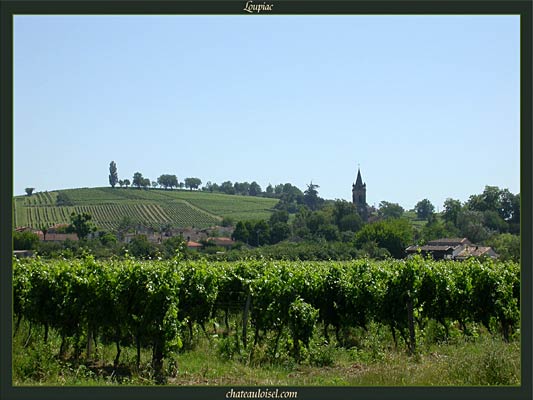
{"x": 10, "y": 8}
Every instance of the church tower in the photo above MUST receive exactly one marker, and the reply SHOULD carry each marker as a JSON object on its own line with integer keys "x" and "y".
{"x": 359, "y": 196}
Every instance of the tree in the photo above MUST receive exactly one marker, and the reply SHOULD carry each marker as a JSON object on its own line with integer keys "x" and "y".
{"x": 242, "y": 188}
{"x": 241, "y": 232}
{"x": 350, "y": 223}
{"x": 390, "y": 210}
{"x": 315, "y": 220}
{"x": 141, "y": 247}
{"x": 329, "y": 232}
{"x": 341, "y": 209}
{"x": 145, "y": 183}
{"x": 173, "y": 245}
{"x": 279, "y": 231}
{"x": 26, "y": 240}
{"x": 435, "y": 229}
{"x": 424, "y": 209}
{"x": 127, "y": 182}
{"x": 493, "y": 221}
{"x": 44, "y": 230}
{"x": 121, "y": 182}
{"x": 81, "y": 224}
{"x": 227, "y": 221}
{"x": 391, "y": 234}
{"x": 260, "y": 234}
{"x": 137, "y": 180}
{"x": 154, "y": 184}
{"x": 290, "y": 197}
{"x": 126, "y": 224}
{"x": 506, "y": 245}
{"x": 211, "y": 187}
{"x": 452, "y": 208}
{"x": 192, "y": 183}
{"x": 311, "y": 198}
{"x": 269, "y": 190}
{"x": 472, "y": 226}
{"x": 113, "y": 175}
{"x": 255, "y": 189}
{"x": 488, "y": 200}
{"x": 168, "y": 181}
{"x": 279, "y": 216}
{"x": 227, "y": 187}
{"x": 29, "y": 191}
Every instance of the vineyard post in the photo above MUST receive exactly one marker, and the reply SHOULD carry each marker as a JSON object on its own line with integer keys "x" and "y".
{"x": 411, "y": 323}
{"x": 245, "y": 316}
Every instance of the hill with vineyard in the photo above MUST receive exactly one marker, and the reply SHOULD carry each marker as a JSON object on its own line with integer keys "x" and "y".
{"x": 152, "y": 208}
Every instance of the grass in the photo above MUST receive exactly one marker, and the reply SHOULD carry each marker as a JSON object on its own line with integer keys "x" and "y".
{"x": 214, "y": 361}
{"x": 153, "y": 208}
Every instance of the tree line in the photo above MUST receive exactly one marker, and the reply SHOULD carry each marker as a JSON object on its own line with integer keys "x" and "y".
{"x": 164, "y": 181}
{"x": 491, "y": 218}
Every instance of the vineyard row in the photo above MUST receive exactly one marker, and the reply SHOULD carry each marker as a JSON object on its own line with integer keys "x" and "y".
{"x": 153, "y": 303}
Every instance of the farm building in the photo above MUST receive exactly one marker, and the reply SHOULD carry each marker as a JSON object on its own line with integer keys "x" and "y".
{"x": 451, "y": 249}
{"x": 194, "y": 245}
{"x": 224, "y": 242}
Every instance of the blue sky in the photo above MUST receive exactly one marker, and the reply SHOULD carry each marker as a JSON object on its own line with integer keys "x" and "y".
{"x": 428, "y": 106}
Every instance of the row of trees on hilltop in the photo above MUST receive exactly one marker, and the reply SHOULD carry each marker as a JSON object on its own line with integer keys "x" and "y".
{"x": 165, "y": 181}
{"x": 290, "y": 196}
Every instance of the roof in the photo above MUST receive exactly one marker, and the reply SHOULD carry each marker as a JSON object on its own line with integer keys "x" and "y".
{"x": 429, "y": 248}
{"x": 477, "y": 251}
{"x": 221, "y": 241}
{"x": 59, "y": 237}
{"x": 359, "y": 180}
{"x": 449, "y": 242}
{"x": 193, "y": 244}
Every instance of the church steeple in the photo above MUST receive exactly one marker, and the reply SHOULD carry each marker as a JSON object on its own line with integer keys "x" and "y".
{"x": 359, "y": 180}
{"x": 359, "y": 196}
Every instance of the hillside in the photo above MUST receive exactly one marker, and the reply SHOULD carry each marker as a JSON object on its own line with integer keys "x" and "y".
{"x": 153, "y": 207}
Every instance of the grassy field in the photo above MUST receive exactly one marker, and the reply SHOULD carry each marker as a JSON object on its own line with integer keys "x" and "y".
{"x": 153, "y": 208}
{"x": 208, "y": 361}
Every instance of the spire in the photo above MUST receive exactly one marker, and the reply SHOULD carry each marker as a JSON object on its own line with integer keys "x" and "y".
{"x": 359, "y": 181}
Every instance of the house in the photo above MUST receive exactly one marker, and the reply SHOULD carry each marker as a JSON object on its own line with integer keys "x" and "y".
{"x": 58, "y": 237}
{"x": 194, "y": 245}
{"x": 224, "y": 242}
{"x": 476, "y": 251}
{"x": 451, "y": 249}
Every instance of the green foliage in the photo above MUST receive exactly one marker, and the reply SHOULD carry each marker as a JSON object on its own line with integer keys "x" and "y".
{"x": 150, "y": 208}
{"x": 254, "y": 189}
{"x": 451, "y": 210}
{"x": 137, "y": 180}
{"x": 424, "y": 209}
{"x": 393, "y": 234}
{"x": 390, "y": 210}
{"x": 150, "y": 304}
{"x": 227, "y": 221}
{"x": 302, "y": 320}
{"x": 506, "y": 245}
{"x": 168, "y": 181}
{"x": 63, "y": 199}
{"x": 82, "y": 224}
{"x": 279, "y": 231}
{"x": 141, "y": 247}
{"x": 29, "y": 191}
{"x": 113, "y": 175}
{"x": 311, "y": 198}
{"x": 107, "y": 238}
{"x": 25, "y": 240}
{"x": 192, "y": 183}
{"x": 435, "y": 229}
{"x": 471, "y": 224}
